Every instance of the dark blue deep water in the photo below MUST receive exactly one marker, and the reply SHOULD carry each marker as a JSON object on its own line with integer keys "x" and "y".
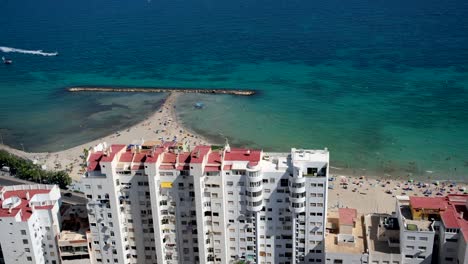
{"x": 382, "y": 84}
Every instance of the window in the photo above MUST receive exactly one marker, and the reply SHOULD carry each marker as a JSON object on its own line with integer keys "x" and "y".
{"x": 25, "y": 241}
{"x": 284, "y": 183}
{"x": 411, "y": 238}
{"x": 23, "y": 232}
{"x": 423, "y": 238}
{"x": 29, "y": 258}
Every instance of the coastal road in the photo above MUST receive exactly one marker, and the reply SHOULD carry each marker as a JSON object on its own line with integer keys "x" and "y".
{"x": 75, "y": 198}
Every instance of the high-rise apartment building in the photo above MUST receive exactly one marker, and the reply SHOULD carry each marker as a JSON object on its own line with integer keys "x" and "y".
{"x": 29, "y": 223}
{"x": 160, "y": 204}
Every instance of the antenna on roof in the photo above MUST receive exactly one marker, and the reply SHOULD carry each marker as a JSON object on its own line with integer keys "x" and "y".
{"x": 226, "y": 146}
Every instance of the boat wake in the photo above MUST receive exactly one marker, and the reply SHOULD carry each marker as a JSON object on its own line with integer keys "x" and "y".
{"x": 34, "y": 52}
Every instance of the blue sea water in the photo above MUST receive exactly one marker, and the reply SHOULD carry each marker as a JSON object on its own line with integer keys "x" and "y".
{"x": 382, "y": 84}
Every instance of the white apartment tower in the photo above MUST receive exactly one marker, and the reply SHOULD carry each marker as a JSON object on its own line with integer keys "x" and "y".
{"x": 206, "y": 206}
{"x": 29, "y": 223}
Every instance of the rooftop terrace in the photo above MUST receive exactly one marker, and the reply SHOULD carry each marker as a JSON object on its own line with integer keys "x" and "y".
{"x": 380, "y": 239}
{"x": 332, "y": 239}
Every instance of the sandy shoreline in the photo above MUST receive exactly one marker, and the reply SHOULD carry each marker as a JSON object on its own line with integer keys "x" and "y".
{"x": 163, "y": 124}
{"x": 367, "y": 194}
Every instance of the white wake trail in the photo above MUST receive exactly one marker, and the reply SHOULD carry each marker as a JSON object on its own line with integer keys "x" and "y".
{"x": 34, "y": 52}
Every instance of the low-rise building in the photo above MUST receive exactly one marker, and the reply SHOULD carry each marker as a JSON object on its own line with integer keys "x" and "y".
{"x": 344, "y": 241}
{"x": 73, "y": 243}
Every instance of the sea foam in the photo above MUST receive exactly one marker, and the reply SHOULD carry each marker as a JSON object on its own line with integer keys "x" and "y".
{"x": 34, "y": 52}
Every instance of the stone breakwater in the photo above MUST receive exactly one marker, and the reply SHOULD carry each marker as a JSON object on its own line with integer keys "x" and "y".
{"x": 162, "y": 90}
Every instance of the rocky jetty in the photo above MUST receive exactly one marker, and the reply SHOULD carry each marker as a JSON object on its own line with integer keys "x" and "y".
{"x": 162, "y": 90}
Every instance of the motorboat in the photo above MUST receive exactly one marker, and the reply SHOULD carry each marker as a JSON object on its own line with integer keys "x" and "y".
{"x": 7, "y": 61}
{"x": 199, "y": 105}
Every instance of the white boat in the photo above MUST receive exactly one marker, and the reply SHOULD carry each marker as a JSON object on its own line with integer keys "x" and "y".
{"x": 7, "y": 61}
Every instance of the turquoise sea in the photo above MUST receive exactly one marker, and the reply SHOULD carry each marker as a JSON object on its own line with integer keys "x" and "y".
{"x": 382, "y": 84}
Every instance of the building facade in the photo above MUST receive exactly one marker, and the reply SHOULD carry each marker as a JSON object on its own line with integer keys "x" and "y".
{"x": 206, "y": 206}
{"x": 29, "y": 223}
{"x": 433, "y": 229}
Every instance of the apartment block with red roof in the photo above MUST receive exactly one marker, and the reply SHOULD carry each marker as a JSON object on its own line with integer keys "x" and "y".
{"x": 157, "y": 203}
{"x": 29, "y": 223}
{"x": 433, "y": 229}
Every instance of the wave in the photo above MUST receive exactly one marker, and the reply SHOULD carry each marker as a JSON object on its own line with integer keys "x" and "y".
{"x": 34, "y": 52}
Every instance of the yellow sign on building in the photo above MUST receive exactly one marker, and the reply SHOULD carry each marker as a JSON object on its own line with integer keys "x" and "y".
{"x": 166, "y": 184}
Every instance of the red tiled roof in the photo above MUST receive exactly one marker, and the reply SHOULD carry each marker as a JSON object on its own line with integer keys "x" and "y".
{"x": 428, "y": 203}
{"x": 45, "y": 207}
{"x": 139, "y": 157}
{"x": 184, "y": 157}
{"x": 452, "y": 208}
{"x": 138, "y": 167}
{"x": 243, "y": 155}
{"x": 167, "y": 167}
{"x": 114, "y": 150}
{"x": 95, "y": 156}
{"x": 227, "y": 167}
{"x": 126, "y": 157}
{"x": 24, "y": 204}
{"x": 183, "y": 167}
{"x": 212, "y": 168}
{"x": 169, "y": 158}
{"x": 347, "y": 216}
{"x": 94, "y": 161}
{"x": 457, "y": 215}
{"x": 153, "y": 158}
{"x": 214, "y": 157}
{"x": 199, "y": 153}
{"x": 450, "y": 219}
{"x": 93, "y": 165}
